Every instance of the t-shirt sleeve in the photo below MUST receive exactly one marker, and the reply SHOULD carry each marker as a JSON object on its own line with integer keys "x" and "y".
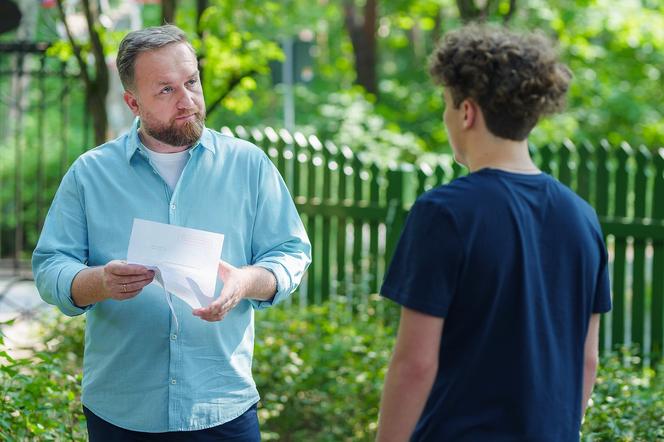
{"x": 602, "y": 296}
{"x": 424, "y": 271}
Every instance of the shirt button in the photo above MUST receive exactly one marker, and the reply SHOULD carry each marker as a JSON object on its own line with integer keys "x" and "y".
{"x": 173, "y": 381}
{"x": 172, "y": 206}
{"x": 174, "y": 337}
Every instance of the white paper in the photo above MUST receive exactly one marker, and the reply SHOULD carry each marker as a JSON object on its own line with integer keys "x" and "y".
{"x": 185, "y": 260}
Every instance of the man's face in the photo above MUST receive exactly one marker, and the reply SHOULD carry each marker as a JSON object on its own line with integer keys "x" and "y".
{"x": 167, "y": 95}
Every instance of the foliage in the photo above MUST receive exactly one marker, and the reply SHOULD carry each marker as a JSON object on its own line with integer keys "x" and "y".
{"x": 315, "y": 367}
{"x": 41, "y": 392}
{"x": 318, "y": 366}
{"x": 614, "y": 49}
{"x": 627, "y": 402}
{"x": 349, "y": 118}
{"x": 234, "y": 54}
{"x": 47, "y": 142}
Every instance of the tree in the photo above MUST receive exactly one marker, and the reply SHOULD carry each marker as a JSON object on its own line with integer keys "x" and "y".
{"x": 94, "y": 75}
{"x": 472, "y": 10}
{"x": 362, "y": 32}
{"x": 168, "y": 8}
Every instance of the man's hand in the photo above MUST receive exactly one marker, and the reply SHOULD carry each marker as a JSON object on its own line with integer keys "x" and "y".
{"x": 253, "y": 282}
{"x": 235, "y": 285}
{"x": 122, "y": 281}
{"x": 116, "y": 280}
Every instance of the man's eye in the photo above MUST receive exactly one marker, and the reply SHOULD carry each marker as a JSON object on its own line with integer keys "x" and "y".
{"x": 166, "y": 90}
{"x": 192, "y": 81}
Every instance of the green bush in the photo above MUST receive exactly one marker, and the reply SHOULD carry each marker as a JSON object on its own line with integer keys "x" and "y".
{"x": 320, "y": 372}
{"x": 627, "y": 402}
{"x": 40, "y": 393}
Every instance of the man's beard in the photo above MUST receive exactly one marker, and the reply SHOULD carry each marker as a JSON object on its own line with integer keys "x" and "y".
{"x": 185, "y": 135}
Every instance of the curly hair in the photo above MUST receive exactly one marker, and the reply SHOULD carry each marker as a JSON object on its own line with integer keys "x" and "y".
{"x": 514, "y": 78}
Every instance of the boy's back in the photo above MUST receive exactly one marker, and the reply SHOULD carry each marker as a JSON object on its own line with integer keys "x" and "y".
{"x": 501, "y": 274}
{"x": 513, "y": 263}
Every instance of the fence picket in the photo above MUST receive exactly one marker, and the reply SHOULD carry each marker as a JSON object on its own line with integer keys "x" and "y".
{"x": 602, "y": 209}
{"x": 657, "y": 305}
{"x": 326, "y": 279}
{"x": 620, "y": 248}
{"x": 358, "y": 198}
{"x": 374, "y": 199}
{"x": 584, "y": 172}
{"x": 546, "y": 155}
{"x": 313, "y": 280}
{"x": 564, "y": 163}
{"x": 343, "y": 157}
{"x": 643, "y": 158}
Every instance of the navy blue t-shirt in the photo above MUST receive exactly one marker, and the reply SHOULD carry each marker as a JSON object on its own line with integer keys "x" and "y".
{"x": 516, "y": 264}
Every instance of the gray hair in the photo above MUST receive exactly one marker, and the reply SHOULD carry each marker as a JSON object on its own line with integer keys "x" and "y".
{"x": 145, "y": 40}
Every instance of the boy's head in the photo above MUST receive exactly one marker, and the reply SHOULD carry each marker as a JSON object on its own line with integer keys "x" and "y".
{"x": 514, "y": 78}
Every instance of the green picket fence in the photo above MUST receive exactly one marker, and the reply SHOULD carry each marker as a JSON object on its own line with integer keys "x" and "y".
{"x": 354, "y": 212}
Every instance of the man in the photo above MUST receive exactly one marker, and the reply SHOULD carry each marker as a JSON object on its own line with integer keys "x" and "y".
{"x": 148, "y": 376}
{"x": 501, "y": 274}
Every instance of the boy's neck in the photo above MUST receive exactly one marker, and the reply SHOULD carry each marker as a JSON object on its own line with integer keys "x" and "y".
{"x": 500, "y": 153}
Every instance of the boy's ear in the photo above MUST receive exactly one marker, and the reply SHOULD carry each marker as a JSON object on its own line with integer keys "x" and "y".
{"x": 470, "y": 110}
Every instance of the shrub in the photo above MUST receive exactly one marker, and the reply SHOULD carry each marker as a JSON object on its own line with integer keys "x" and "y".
{"x": 321, "y": 371}
{"x": 40, "y": 393}
{"x": 627, "y": 402}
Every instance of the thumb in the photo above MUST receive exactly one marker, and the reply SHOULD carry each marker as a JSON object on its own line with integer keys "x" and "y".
{"x": 225, "y": 270}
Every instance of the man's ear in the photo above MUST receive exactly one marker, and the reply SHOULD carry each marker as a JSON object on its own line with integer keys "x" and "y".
{"x": 470, "y": 110}
{"x": 132, "y": 102}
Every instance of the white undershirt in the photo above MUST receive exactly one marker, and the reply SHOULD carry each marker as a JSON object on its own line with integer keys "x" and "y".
{"x": 169, "y": 165}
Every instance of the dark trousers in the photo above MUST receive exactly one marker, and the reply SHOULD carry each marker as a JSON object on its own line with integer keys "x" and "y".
{"x": 243, "y": 428}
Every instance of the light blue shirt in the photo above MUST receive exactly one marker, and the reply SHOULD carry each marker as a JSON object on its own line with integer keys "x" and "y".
{"x": 140, "y": 372}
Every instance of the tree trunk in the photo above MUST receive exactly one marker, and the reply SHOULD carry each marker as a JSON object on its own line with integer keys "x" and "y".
{"x": 470, "y": 11}
{"x": 96, "y": 79}
{"x": 362, "y": 31}
{"x": 98, "y": 86}
{"x": 201, "y": 6}
{"x": 168, "y": 11}
{"x": 96, "y": 103}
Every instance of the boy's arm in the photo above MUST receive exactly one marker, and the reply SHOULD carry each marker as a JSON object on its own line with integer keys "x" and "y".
{"x": 590, "y": 360}
{"x": 410, "y": 376}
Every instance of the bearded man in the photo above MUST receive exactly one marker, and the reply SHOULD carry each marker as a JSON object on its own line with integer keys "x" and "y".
{"x": 148, "y": 376}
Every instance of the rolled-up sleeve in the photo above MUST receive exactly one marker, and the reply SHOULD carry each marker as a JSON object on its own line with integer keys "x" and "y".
{"x": 62, "y": 250}
{"x": 279, "y": 241}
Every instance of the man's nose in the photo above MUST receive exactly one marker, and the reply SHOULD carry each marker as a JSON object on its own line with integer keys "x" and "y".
{"x": 186, "y": 100}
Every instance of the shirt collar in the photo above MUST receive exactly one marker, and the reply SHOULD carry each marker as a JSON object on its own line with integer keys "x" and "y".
{"x": 134, "y": 143}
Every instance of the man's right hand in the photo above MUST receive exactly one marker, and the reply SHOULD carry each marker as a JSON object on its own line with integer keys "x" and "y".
{"x": 124, "y": 281}
{"x": 115, "y": 280}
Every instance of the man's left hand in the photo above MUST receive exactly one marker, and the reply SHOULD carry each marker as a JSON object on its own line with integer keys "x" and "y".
{"x": 235, "y": 285}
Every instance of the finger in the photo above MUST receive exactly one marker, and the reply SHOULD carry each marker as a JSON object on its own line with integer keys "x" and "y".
{"x": 119, "y": 269}
{"x": 119, "y": 288}
{"x": 121, "y": 296}
{"x": 131, "y": 279}
{"x": 213, "y": 312}
{"x": 133, "y": 286}
{"x": 225, "y": 270}
{"x": 212, "y": 317}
